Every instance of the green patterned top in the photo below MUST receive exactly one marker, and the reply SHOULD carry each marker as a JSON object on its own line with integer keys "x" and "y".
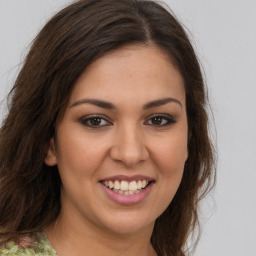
{"x": 35, "y": 244}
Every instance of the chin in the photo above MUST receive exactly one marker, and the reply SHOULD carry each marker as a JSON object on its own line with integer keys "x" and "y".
{"x": 129, "y": 223}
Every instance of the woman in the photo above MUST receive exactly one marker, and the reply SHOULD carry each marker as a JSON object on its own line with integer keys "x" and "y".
{"x": 105, "y": 148}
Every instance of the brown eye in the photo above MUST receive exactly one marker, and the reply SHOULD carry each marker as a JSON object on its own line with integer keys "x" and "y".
{"x": 95, "y": 122}
{"x": 157, "y": 121}
{"x": 160, "y": 120}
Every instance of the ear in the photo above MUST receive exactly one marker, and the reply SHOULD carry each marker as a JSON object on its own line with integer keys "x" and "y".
{"x": 50, "y": 158}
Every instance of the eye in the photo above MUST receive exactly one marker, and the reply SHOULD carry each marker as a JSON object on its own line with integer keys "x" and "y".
{"x": 95, "y": 121}
{"x": 160, "y": 120}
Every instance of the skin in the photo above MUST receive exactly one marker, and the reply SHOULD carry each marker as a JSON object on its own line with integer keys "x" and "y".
{"x": 128, "y": 142}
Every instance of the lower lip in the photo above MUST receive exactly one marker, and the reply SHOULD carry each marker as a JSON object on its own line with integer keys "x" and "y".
{"x": 127, "y": 199}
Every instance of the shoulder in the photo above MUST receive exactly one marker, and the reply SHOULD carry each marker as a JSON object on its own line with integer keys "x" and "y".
{"x": 28, "y": 245}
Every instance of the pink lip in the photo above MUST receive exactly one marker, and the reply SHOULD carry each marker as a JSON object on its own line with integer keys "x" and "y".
{"x": 127, "y": 199}
{"x": 128, "y": 178}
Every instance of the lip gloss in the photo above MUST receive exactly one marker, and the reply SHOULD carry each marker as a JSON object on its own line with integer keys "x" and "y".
{"x": 127, "y": 199}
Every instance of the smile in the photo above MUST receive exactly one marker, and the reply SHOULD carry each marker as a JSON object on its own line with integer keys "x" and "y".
{"x": 126, "y": 190}
{"x": 124, "y": 187}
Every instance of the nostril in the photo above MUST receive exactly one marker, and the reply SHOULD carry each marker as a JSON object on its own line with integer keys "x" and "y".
{"x": 129, "y": 152}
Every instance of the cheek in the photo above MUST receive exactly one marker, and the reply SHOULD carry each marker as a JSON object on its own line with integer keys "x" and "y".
{"x": 170, "y": 155}
{"x": 169, "y": 159}
{"x": 171, "y": 166}
{"x": 78, "y": 160}
{"x": 79, "y": 154}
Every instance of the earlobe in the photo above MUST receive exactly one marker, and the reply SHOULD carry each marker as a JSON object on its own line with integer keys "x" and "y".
{"x": 50, "y": 158}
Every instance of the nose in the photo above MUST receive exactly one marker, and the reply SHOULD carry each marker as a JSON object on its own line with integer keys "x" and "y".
{"x": 129, "y": 146}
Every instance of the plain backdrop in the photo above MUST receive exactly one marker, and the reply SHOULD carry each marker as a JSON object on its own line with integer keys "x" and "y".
{"x": 224, "y": 35}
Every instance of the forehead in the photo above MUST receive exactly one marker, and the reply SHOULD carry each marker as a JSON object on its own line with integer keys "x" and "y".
{"x": 132, "y": 73}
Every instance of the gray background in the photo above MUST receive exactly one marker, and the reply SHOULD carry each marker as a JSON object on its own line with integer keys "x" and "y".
{"x": 224, "y": 35}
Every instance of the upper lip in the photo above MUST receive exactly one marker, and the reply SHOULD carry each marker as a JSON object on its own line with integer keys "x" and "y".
{"x": 128, "y": 178}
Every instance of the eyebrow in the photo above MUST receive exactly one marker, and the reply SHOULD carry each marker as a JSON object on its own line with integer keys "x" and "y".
{"x": 108, "y": 105}
{"x": 98, "y": 103}
{"x": 160, "y": 102}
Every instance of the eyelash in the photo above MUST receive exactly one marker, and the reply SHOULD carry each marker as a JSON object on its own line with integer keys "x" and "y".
{"x": 85, "y": 121}
{"x": 169, "y": 119}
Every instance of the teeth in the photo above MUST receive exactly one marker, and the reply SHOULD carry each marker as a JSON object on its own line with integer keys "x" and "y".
{"x": 139, "y": 184}
{"x": 110, "y": 184}
{"x": 133, "y": 186}
{"x": 118, "y": 191}
{"x": 116, "y": 184}
{"x": 125, "y": 187}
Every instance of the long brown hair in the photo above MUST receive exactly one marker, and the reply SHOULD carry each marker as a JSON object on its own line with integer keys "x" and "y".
{"x": 69, "y": 42}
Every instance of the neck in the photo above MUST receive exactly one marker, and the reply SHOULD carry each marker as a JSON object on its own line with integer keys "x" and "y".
{"x": 69, "y": 237}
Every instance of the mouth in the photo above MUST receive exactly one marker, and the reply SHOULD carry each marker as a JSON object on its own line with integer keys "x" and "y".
{"x": 125, "y": 187}
{"x": 127, "y": 190}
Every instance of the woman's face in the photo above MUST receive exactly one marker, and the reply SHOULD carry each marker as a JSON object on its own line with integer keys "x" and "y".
{"x": 125, "y": 126}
